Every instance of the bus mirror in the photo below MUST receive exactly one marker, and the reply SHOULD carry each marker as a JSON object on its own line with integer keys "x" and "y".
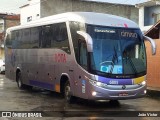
{"x": 88, "y": 40}
{"x": 152, "y": 43}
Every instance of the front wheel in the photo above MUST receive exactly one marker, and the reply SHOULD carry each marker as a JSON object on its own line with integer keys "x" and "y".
{"x": 67, "y": 93}
{"x": 114, "y": 102}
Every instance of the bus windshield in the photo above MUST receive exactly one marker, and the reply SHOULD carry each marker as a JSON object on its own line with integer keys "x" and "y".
{"x": 117, "y": 51}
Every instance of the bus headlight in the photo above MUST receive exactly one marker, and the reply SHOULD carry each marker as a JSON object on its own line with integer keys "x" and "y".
{"x": 96, "y": 83}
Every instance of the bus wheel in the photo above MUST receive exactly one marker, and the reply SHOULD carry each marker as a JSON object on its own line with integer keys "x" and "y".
{"x": 114, "y": 102}
{"x": 67, "y": 93}
{"x": 19, "y": 81}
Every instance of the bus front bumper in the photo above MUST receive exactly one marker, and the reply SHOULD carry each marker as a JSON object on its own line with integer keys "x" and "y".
{"x": 116, "y": 92}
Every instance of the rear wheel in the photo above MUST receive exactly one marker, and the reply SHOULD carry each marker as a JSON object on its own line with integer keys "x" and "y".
{"x": 19, "y": 81}
{"x": 67, "y": 93}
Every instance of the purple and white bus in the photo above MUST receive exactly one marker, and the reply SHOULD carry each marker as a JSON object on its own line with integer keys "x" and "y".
{"x": 81, "y": 54}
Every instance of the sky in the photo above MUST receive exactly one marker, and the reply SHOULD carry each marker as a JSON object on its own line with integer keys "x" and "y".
{"x": 12, "y": 6}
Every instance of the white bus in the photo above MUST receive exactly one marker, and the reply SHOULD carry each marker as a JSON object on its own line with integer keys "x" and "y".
{"x": 81, "y": 54}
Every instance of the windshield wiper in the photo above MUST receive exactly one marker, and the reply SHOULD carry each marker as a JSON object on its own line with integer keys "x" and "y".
{"x": 131, "y": 62}
{"x": 115, "y": 57}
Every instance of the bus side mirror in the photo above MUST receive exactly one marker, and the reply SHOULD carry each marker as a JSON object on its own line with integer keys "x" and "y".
{"x": 88, "y": 40}
{"x": 153, "y": 44}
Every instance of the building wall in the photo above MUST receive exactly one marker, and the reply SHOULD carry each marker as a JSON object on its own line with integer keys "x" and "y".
{"x": 1, "y": 25}
{"x": 153, "y": 65}
{"x": 149, "y": 15}
{"x": 8, "y": 21}
{"x": 11, "y": 23}
{"x": 30, "y": 12}
{"x": 51, "y": 7}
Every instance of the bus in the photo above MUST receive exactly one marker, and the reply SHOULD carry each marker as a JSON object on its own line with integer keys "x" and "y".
{"x": 88, "y": 55}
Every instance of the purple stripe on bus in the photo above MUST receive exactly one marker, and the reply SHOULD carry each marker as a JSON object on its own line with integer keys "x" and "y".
{"x": 41, "y": 84}
{"x": 112, "y": 81}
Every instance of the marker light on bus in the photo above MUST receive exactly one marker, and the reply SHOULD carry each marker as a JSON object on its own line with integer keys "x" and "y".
{"x": 145, "y": 91}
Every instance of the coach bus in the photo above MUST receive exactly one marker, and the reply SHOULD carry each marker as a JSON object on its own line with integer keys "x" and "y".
{"x": 88, "y": 55}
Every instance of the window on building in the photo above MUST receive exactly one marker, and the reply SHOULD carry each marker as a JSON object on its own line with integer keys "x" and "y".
{"x": 29, "y": 18}
{"x": 156, "y": 17}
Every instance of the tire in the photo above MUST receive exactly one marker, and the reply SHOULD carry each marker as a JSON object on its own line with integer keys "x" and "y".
{"x": 67, "y": 93}
{"x": 114, "y": 103}
{"x": 19, "y": 81}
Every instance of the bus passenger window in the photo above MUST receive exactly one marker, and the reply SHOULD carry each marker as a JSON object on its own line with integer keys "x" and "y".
{"x": 60, "y": 37}
{"x": 35, "y": 37}
{"x": 25, "y": 41}
{"x": 13, "y": 39}
{"x": 46, "y": 36}
{"x": 8, "y": 41}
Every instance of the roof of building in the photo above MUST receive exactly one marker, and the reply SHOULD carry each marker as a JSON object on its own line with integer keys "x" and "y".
{"x": 153, "y": 32}
{"x": 123, "y": 2}
{"x": 10, "y": 16}
{"x": 2, "y": 15}
{"x": 85, "y": 17}
{"x": 148, "y": 3}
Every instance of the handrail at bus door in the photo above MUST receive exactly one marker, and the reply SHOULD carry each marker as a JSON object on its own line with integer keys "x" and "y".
{"x": 88, "y": 40}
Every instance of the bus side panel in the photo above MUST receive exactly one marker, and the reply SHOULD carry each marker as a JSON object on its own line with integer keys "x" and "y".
{"x": 38, "y": 68}
{"x": 10, "y": 62}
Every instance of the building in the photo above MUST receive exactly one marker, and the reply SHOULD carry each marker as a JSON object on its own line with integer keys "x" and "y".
{"x": 30, "y": 11}
{"x": 51, "y": 7}
{"x": 149, "y": 14}
{"x": 6, "y": 21}
{"x": 43, "y": 8}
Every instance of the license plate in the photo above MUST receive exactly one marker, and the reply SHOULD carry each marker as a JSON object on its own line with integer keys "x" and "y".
{"x": 123, "y": 94}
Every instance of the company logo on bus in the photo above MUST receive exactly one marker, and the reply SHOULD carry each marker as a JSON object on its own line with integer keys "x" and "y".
{"x": 129, "y": 34}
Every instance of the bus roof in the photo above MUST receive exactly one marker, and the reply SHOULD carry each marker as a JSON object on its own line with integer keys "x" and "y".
{"x": 84, "y": 17}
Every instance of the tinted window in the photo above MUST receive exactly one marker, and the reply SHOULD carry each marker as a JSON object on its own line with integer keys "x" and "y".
{"x": 48, "y": 36}
{"x": 25, "y": 41}
{"x": 45, "y": 36}
{"x": 17, "y": 39}
{"x": 34, "y": 41}
{"x": 8, "y": 41}
{"x": 60, "y": 37}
